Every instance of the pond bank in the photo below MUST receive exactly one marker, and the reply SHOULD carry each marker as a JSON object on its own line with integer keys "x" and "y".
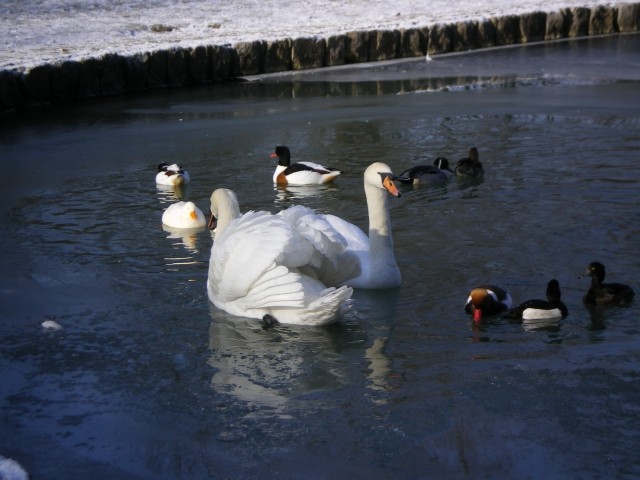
{"x": 114, "y": 74}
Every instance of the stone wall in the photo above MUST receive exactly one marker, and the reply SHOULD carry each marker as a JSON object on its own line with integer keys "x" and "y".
{"x": 115, "y": 74}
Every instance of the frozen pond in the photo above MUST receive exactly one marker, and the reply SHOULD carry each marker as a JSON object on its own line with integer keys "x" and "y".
{"x": 147, "y": 380}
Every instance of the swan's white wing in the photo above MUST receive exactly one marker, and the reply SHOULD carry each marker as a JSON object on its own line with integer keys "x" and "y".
{"x": 355, "y": 238}
{"x": 246, "y": 262}
{"x": 357, "y": 245}
{"x": 332, "y": 262}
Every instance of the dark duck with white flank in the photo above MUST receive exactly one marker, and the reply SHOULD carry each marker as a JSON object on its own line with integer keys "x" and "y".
{"x": 426, "y": 173}
{"x": 172, "y": 175}
{"x": 300, "y": 173}
{"x": 470, "y": 166}
{"x": 535, "y": 309}
{"x": 614, "y": 294}
{"x": 487, "y": 300}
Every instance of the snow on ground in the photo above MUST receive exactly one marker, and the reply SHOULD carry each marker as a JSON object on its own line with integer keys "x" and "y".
{"x": 34, "y": 32}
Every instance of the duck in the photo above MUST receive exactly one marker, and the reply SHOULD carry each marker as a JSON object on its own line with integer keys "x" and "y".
{"x": 172, "y": 175}
{"x": 184, "y": 215}
{"x": 470, "y": 166}
{"x": 535, "y": 309}
{"x": 300, "y": 173}
{"x": 438, "y": 172}
{"x": 379, "y": 268}
{"x": 289, "y": 267}
{"x": 608, "y": 294}
{"x": 487, "y": 300}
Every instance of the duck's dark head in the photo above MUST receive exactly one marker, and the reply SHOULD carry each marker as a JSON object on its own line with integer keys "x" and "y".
{"x": 596, "y": 271}
{"x": 442, "y": 163}
{"x": 283, "y": 155}
{"x": 553, "y": 291}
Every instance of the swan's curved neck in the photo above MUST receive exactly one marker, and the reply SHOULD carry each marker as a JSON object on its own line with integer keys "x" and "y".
{"x": 228, "y": 209}
{"x": 378, "y": 208}
{"x": 381, "y": 256}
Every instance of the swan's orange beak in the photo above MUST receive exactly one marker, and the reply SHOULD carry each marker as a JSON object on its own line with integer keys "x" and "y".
{"x": 193, "y": 215}
{"x": 391, "y": 186}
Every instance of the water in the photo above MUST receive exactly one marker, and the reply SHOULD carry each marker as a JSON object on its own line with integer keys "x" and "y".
{"x": 148, "y": 380}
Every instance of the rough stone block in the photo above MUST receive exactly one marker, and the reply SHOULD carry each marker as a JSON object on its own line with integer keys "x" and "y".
{"x": 10, "y": 90}
{"x": 278, "y": 56}
{"x": 357, "y": 47}
{"x": 157, "y": 70}
{"x": 579, "y": 25}
{"x": 465, "y": 36}
{"x": 485, "y": 34}
{"x": 629, "y": 17}
{"x": 336, "y": 50}
{"x": 198, "y": 62}
{"x": 558, "y": 24}
{"x": 88, "y": 79}
{"x": 307, "y": 52}
{"x": 603, "y": 20}
{"x": 440, "y": 39}
{"x": 177, "y": 67}
{"x": 37, "y": 84}
{"x": 221, "y": 62}
{"x": 248, "y": 58}
{"x": 413, "y": 42}
{"x": 507, "y": 30}
{"x": 533, "y": 27}
{"x": 384, "y": 45}
{"x": 64, "y": 81}
{"x": 111, "y": 74}
{"x": 136, "y": 72}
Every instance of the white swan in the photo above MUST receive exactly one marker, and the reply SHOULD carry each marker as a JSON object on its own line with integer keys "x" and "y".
{"x": 377, "y": 260}
{"x": 283, "y": 265}
{"x": 183, "y": 215}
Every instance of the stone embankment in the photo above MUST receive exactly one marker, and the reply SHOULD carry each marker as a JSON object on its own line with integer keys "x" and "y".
{"x": 114, "y": 74}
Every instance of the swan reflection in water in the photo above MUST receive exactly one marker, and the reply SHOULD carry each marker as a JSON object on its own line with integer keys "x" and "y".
{"x": 272, "y": 367}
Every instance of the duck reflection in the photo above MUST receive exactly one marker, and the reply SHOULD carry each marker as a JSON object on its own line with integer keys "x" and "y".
{"x": 288, "y": 194}
{"x": 186, "y": 237}
{"x": 550, "y": 325}
{"x": 171, "y": 193}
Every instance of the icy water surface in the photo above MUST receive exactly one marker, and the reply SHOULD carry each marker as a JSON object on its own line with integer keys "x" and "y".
{"x": 147, "y": 380}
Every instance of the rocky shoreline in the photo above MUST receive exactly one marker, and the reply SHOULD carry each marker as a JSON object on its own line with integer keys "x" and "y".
{"x": 114, "y": 74}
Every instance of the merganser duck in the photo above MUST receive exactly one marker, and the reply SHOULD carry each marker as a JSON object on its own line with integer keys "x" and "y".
{"x": 426, "y": 173}
{"x": 535, "y": 309}
{"x": 300, "y": 173}
{"x": 487, "y": 300}
{"x": 599, "y": 293}
{"x": 470, "y": 166}
{"x": 172, "y": 175}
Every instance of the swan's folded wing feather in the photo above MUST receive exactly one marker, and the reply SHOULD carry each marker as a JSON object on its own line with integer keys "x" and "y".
{"x": 355, "y": 238}
{"x": 246, "y": 262}
{"x": 331, "y": 261}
